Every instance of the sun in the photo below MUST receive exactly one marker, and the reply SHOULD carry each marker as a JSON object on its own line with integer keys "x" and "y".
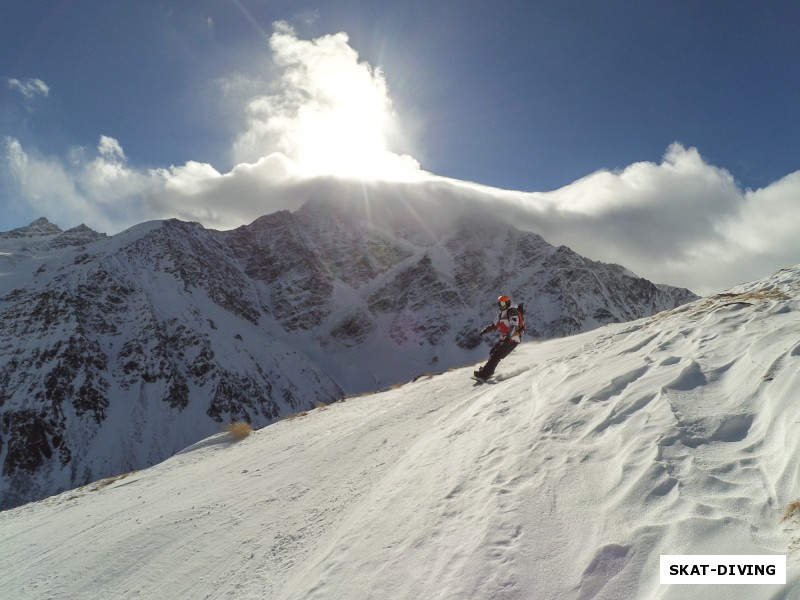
{"x": 344, "y": 127}
{"x": 332, "y": 114}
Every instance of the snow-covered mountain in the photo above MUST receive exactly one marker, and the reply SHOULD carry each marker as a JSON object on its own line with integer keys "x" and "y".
{"x": 119, "y": 351}
{"x": 589, "y": 458}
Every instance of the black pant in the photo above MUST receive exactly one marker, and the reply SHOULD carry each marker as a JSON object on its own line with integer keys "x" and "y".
{"x": 499, "y": 351}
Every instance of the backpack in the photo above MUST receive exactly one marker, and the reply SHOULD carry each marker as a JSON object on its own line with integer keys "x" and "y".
{"x": 521, "y": 314}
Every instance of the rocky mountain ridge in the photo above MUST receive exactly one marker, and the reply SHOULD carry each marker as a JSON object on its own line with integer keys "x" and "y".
{"x": 118, "y": 351}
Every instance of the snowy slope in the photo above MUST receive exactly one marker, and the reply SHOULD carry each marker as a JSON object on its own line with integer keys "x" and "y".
{"x": 567, "y": 478}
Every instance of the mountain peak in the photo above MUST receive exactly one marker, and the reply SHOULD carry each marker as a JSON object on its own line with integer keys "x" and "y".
{"x": 39, "y": 227}
{"x": 77, "y": 236}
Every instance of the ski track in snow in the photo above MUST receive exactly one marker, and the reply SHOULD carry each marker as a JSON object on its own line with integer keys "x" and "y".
{"x": 589, "y": 458}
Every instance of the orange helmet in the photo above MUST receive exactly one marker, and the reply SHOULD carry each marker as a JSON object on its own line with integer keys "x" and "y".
{"x": 504, "y": 302}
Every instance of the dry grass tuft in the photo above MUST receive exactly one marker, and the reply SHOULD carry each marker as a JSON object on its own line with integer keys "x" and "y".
{"x": 754, "y": 295}
{"x": 239, "y": 429}
{"x": 109, "y": 480}
{"x": 293, "y": 416}
{"x": 705, "y": 305}
{"x": 96, "y": 486}
{"x": 792, "y": 514}
{"x": 792, "y": 511}
{"x": 427, "y": 375}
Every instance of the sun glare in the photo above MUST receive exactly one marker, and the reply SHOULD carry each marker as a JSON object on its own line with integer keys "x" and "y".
{"x": 332, "y": 114}
{"x": 344, "y": 130}
{"x": 347, "y": 138}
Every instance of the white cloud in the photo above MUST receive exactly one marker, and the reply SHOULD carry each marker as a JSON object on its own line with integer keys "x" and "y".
{"x": 96, "y": 191}
{"x": 653, "y": 207}
{"x": 45, "y": 184}
{"x": 110, "y": 149}
{"x": 308, "y": 17}
{"x": 29, "y": 87}
{"x": 101, "y": 189}
{"x": 682, "y": 221}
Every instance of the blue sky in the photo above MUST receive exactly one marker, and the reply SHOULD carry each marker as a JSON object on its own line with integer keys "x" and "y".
{"x": 519, "y": 95}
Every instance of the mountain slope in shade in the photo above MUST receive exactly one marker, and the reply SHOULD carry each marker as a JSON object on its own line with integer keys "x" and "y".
{"x": 117, "y": 352}
{"x": 568, "y": 477}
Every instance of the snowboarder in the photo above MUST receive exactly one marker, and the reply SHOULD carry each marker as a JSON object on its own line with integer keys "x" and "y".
{"x": 509, "y": 323}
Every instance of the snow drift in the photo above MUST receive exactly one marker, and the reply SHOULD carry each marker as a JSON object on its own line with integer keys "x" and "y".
{"x": 587, "y": 459}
